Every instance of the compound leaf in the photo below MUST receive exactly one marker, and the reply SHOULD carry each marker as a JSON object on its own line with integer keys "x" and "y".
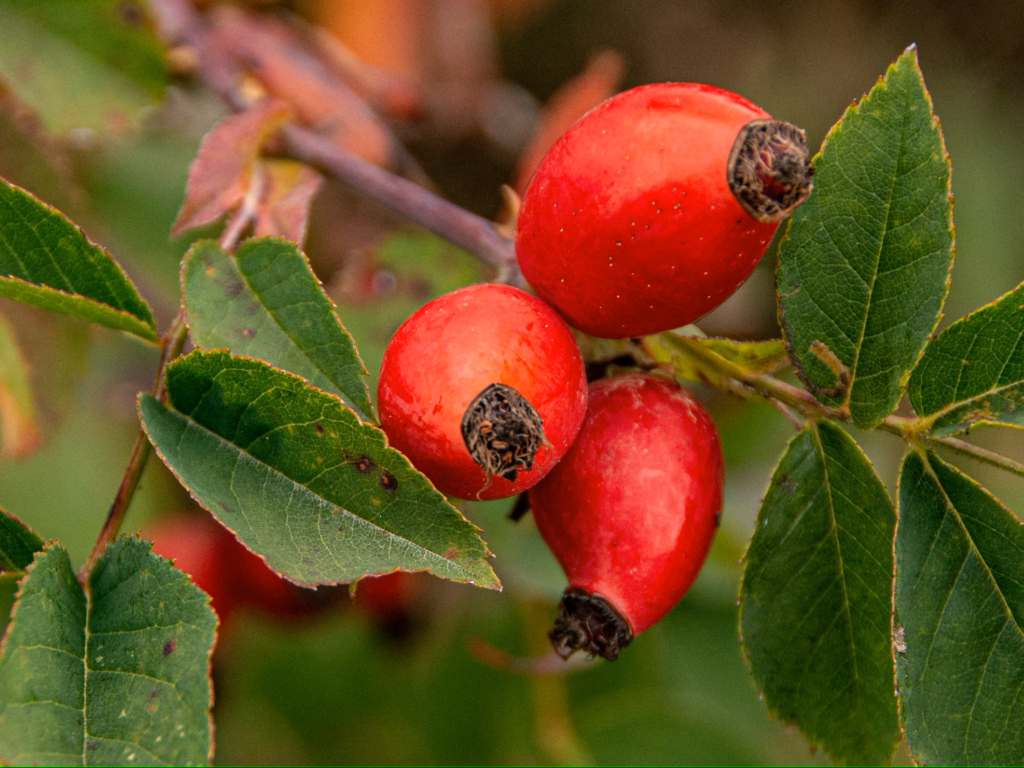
{"x": 92, "y": 64}
{"x": 816, "y": 597}
{"x": 48, "y": 262}
{"x": 864, "y": 267}
{"x": 960, "y": 618}
{"x": 266, "y": 302}
{"x": 301, "y": 480}
{"x": 117, "y": 674}
{"x": 973, "y": 373}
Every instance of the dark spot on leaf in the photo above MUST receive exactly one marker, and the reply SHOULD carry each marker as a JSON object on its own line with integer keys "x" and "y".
{"x": 363, "y": 464}
{"x": 319, "y": 427}
{"x": 785, "y": 482}
{"x": 92, "y": 745}
{"x": 248, "y": 332}
{"x": 718, "y": 518}
{"x": 451, "y": 553}
{"x": 233, "y": 288}
{"x": 306, "y": 560}
{"x": 224, "y": 506}
{"x": 387, "y": 481}
{"x": 154, "y": 693}
{"x": 169, "y": 646}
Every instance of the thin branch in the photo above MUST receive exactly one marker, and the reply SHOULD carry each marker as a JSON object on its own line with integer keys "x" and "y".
{"x": 981, "y": 454}
{"x": 245, "y": 213}
{"x": 173, "y": 342}
{"x": 467, "y": 230}
{"x": 476, "y": 234}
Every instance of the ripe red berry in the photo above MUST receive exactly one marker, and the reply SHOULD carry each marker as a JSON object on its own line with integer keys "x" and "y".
{"x": 630, "y": 510}
{"x": 483, "y": 389}
{"x": 655, "y": 205}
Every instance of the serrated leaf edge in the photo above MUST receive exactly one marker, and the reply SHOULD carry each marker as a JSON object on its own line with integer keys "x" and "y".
{"x": 366, "y": 418}
{"x": 854, "y": 108}
{"x": 495, "y": 585}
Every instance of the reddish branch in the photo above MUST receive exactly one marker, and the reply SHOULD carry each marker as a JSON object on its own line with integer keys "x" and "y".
{"x": 173, "y": 341}
{"x": 182, "y": 25}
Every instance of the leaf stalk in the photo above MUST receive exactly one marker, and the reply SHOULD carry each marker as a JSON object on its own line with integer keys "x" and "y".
{"x": 173, "y": 342}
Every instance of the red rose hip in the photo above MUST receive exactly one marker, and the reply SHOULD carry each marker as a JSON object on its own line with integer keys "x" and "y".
{"x": 656, "y": 205}
{"x": 483, "y": 389}
{"x": 630, "y": 510}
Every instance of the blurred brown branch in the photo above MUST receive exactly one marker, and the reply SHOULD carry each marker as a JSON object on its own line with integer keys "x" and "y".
{"x": 243, "y": 59}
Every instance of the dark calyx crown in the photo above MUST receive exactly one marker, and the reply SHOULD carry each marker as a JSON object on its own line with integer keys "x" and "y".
{"x": 588, "y": 622}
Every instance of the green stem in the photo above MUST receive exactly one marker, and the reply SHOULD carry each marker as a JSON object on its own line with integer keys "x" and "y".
{"x": 981, "y": 454}
{"x": 173, "y": 342}
{"x": 723, "y": 374}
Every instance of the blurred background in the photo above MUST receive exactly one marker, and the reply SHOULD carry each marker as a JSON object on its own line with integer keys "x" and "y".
{"x": 416, "y": 670}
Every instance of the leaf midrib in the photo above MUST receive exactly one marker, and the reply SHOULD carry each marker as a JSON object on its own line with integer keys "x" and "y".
{"x": 834, "y": 531}
{"x": 302, "y": 488}
{"x": 131, "y": 318}
{"x": 273, "y": 316}
{"x": 1010, "y": 617}
{"x": 854, "y": 367}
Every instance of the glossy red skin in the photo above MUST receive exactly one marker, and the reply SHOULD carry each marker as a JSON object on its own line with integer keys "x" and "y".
{"x": 628, "y": 226}
{"x": 448, "y": 351}
{"x": 630, "y": 510}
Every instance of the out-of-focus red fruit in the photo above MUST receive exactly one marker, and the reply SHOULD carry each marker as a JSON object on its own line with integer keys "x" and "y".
{"x": 223, "y": 568}
{"x": 630, "y": 511}
{"x": 385, "y": 597}
{"x": 262, "y": 588}
{"x": 197, "y": 544}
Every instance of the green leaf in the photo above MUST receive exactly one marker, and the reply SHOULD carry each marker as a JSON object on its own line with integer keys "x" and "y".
{"x": 48, "y": 262}
{"x": 960, "y": 612}
{"x": 864, "y": 267}
{"x": 816, "y": 592}
{"x": 266, "y": 302}
{"x": 301, "y": 480}
{"x": 19, "y": 434}
{"x": 117, "y": 674}
{"x": 81, "y": 64}
{"x": 8, "y": 591}
{"x": 973, "y": 373}
{"x": 18, "y": 543}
